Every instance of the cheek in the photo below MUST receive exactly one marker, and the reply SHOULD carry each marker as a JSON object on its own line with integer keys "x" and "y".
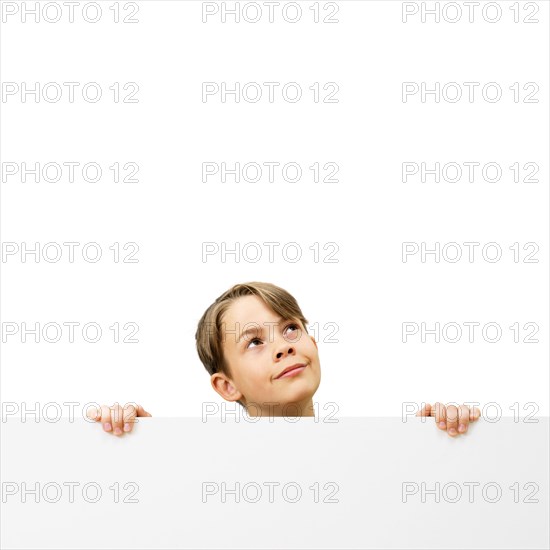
{"x": 254, "y": 368}
{"x": 312, "y": 351}
{"x": 306, "y": 343}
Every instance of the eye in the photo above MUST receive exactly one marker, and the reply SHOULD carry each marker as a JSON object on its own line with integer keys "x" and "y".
{"x": 294, "y": 325}
{"x": 253, "y": 340}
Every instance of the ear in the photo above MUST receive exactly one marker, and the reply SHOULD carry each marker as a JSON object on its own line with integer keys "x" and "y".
{"x": 224, "y": 387}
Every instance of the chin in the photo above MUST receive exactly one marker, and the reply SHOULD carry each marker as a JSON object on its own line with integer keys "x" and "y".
{"x": 302, "y": 391}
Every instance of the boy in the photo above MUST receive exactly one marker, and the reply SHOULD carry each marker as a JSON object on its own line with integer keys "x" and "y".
{"x": 254, "y": 344}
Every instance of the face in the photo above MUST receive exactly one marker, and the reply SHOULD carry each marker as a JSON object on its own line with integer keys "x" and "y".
{"x": 258, "y": 346}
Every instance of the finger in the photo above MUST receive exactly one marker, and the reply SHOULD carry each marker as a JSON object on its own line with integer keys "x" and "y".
{"x": 93, "y": 413}
{"x": 131, "y": 411}
{"x": 452, "y": 420}
{"x": 463, "y": 418}
{"x": 129, "y": 414}
{"x": 117, "y": 419}
{"x": 106, "y": 418}
{"x": 425, "y": 411}
{"x": 440, "y": 416}
{"x": 475, "y": 414}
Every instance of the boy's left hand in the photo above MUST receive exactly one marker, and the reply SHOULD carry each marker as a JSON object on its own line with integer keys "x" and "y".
{"x": 454, "y": 420}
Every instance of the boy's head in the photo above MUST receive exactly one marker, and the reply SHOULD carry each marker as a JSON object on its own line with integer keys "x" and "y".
{"x": 247, "y": 338}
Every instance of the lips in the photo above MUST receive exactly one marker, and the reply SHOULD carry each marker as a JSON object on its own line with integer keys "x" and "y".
{"x": 291, "y": 368}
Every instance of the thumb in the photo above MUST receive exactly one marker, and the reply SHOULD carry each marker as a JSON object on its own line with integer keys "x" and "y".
{"x": 93, "y": 412}
{"x": 425, "y": 411}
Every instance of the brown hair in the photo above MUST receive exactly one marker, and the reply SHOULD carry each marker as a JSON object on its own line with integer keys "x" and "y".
{"x": 209, "y": 335}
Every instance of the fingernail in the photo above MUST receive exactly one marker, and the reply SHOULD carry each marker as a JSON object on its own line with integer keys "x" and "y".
{"x": 461, "y": 427}
{"x": 107, "y": 427}
{"x": 442, "y": 424}
{"x": 118, "y": 431}
{"x": 126, "y": 427}
{"x": 452, "y": 431}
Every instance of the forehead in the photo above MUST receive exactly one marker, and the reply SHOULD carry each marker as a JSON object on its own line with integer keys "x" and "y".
{"x": 248, "y": 309}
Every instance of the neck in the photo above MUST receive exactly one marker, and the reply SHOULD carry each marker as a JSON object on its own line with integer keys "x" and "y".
{"x": 293, "y": 409}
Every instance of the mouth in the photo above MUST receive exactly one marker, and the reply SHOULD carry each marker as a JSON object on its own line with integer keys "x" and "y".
{"x": 293, "y": 370}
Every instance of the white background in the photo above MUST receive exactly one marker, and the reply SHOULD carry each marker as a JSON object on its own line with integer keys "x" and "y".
{"x": 369, "y": 213}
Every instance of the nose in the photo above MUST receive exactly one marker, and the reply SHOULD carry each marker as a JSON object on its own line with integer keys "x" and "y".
{"x": 286, "y": 350}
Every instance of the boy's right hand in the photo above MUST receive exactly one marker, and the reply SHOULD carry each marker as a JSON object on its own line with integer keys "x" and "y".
{"x": 117, "y": 419}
